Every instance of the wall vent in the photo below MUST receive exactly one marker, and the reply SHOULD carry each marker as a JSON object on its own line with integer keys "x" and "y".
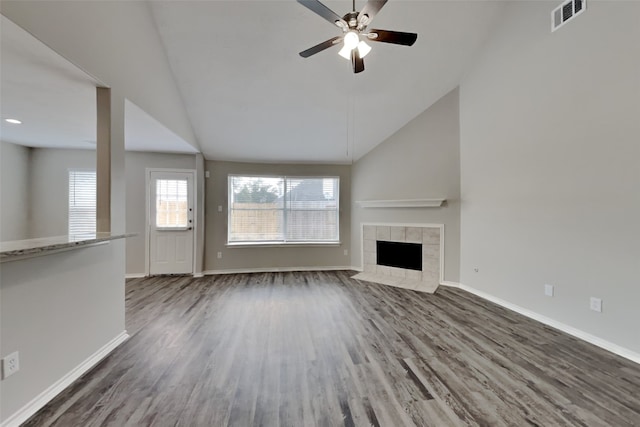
{"x": 566, "y": 12}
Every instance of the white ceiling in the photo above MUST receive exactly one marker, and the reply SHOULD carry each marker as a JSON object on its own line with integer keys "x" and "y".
{"x": 251, "y": 97}
{"x": 56, "y": 101}
{"x": 248, "y": 93}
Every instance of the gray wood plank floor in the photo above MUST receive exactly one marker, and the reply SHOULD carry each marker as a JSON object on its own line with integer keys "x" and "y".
{"x": 322, "y": 349}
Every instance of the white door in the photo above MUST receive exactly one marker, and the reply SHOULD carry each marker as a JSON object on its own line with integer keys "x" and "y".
{"x": 171, "y": 222}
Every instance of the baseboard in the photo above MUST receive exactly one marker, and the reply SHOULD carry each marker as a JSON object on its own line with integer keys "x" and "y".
{"x": 585, "y": 336}
{"x": 46, "y": 396}
{"x": 450, "y": 284}
{"x": 274, "y": 270}
{"x": 141, "y": 275}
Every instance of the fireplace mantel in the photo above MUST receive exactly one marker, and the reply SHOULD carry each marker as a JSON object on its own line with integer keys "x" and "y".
{"x": 402, "y": 203}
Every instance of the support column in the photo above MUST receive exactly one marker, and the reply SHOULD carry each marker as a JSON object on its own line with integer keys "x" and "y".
{"x": 103, "y": 160}
{"x": 110, "y": 168}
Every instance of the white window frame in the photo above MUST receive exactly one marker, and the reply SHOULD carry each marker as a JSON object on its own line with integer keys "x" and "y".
{"x": 284, "y": 242}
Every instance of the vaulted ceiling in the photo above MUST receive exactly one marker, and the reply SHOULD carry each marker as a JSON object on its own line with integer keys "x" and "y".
{"x": 251, "y": 97}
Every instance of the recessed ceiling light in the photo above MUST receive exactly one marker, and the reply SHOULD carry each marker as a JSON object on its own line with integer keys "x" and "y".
{"x": 13, "y": 121}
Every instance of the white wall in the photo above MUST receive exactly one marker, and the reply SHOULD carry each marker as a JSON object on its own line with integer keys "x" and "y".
{"x": 81, "y": 293}
{"x": 49, "y": 190}
{"x": 115, "y": 41}
{"x": 46, "y": 169}
{"x": 35, "y": 189}
{"x": 550, "y": 150}
{"x": 14, "y": 194}
{"x": 420, "y": 161}
{"x": 57, "y": 311}
{"x": 136, "y": 164}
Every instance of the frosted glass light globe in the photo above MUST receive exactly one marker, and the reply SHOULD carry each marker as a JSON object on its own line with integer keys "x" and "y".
{"x": 351, "y": 40}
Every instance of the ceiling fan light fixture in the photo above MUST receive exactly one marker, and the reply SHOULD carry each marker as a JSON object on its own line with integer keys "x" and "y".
{"x": 351, "y": 40}
{"x": 345, "y": 52}
{"x": 363, "y": 49}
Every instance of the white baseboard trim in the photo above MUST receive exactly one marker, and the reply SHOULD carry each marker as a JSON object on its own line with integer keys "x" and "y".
{"x": 450, "y": 284}
{"x": 585, "y": 336}
{"x": 274, "y": 270}
{"x": 141, "y": 275}
{"x": 46, "y": 396}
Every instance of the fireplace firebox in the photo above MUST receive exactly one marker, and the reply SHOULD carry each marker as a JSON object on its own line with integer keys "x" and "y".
{"x": 399, "y": 254}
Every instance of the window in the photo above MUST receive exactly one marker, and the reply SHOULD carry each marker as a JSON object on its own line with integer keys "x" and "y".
{"x": 82, "y": 201}
{"x": 283, "y": 209}
{"x": 171, "y": 203}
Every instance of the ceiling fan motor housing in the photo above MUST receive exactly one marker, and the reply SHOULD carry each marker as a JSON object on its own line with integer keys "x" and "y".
{"x": 351, "y": 19}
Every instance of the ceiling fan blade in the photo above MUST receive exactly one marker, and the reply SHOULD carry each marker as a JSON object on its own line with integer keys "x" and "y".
{"x": 356, "y": 61}
{"x": 324, "y": 11}
{"x": 370, "y": 10}
{"x": 395, "y": 37}
{"x": 320, "y": 47}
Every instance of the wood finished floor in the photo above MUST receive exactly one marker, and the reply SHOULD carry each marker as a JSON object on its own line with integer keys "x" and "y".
{"x": 321, "y": 349}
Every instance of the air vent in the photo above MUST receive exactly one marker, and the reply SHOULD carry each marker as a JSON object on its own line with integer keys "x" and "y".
{"x": 566, "y": 12}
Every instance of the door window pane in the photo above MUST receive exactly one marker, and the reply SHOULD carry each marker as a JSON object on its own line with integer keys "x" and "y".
{"x": 171, "y": 203}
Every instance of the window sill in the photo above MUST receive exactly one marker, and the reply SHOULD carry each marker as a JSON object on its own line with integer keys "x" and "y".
{"x": 281, "y": 244}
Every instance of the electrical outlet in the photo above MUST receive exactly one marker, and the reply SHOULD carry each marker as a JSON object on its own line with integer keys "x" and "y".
{"x": 219, "y": 255}
{"x": 346, "y": 252}
{"x": 10, "y": 365}
{"x": 596, "y": 304}
{"x": 548, "y": 290}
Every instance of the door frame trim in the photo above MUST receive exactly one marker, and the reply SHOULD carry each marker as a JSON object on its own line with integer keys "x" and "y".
{"x": 147, "y": 215}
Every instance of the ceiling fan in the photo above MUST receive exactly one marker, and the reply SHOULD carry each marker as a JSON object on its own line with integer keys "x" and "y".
{"x": 354, "y": 26}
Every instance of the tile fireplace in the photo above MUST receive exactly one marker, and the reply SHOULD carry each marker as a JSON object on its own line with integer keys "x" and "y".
{"x": 403, "y": 255}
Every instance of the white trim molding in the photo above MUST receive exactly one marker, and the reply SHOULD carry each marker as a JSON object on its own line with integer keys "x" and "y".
{"x": 585, "y": 336}
{"x": 403, "y": 203}
{"x": 52, "y": 391}
{"x": 134, "y": 275}
{"x": 275, "y": 270}
{"x": 147, "y": 209}
{"x": 450, "y": 284}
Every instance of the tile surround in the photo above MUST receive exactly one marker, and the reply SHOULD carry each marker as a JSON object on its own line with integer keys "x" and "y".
{"x": 426, "y": 280}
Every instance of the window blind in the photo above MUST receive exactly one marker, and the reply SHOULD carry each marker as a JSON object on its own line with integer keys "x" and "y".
{"x": 283, "y": 209}
{"x": 82, "y": 201}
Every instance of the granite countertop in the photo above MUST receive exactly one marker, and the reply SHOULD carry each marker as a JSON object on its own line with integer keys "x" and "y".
{"x": 18, "y": 249}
